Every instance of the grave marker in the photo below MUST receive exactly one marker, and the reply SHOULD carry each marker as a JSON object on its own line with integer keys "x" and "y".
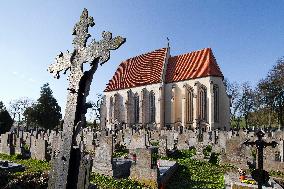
{"x": 65, "y": 167}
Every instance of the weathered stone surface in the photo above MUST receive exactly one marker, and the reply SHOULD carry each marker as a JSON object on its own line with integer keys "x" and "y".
{"x": 143, "y": 170}
{"x": 102, "y": 162}
{"x": 79, "y": 85}
{"x": 38, "y": 148}
{"x": 7, "y": 143}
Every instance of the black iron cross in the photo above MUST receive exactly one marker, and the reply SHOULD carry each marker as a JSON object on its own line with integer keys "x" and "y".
{"x": 260, "y": 145}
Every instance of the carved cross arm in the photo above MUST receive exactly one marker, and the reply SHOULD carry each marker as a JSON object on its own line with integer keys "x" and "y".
{"x": 62, "y": 63}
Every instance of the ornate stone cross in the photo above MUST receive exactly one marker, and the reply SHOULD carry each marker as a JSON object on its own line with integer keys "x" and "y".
{"x": 259, "y": 174}
{"x": 67, "y": 158}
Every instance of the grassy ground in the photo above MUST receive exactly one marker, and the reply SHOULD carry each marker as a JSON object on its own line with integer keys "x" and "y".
{"x": 190, "y": 174}
{"x": 197, "y": 174}
{"x": 35, "y": 175}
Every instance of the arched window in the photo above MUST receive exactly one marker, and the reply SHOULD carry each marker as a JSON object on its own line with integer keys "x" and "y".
{"x": 111, "y": 109}
{"x": 136, "y": 108}
{"x": 216, "y": 103}
{"x": 202, "y": 103}
{"x": 152, "y": 108}
{"x": 189, "y": 106}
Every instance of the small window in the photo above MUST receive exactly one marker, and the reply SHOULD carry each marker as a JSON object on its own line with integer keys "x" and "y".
{"x": 189, "y": 106}
{"x": 152, "y": 107}
{"x": 202, "y": 99}
{"x": 136, "y": 109}
{"x": 216, "y": 103}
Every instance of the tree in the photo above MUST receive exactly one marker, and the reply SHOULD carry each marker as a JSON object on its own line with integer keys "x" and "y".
{"x": 232, "y": 89}
{"x": 6, "y": 121}
{"x": 46, "y": 112}
{"x": 271, "y": 89}
{"x": 18, "y": 107}
{"x": 95, "y": 110}
{"x": 246, "y": 103}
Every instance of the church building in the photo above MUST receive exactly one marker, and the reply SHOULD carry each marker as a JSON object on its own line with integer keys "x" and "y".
{"x": 158, "y": 90}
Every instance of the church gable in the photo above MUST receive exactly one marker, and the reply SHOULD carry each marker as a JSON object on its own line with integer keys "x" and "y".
{"x": 192, "y": 65}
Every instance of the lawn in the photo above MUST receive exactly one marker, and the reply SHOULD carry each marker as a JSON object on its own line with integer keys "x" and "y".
{"x": 35, "y": 175}
{"x": 197, "y": 174}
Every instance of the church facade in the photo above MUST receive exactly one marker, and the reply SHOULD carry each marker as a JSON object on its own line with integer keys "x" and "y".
{"x": 159, "y": 90}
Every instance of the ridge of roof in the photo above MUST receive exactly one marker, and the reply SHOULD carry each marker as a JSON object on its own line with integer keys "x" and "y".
{"x": 147, "y": 68}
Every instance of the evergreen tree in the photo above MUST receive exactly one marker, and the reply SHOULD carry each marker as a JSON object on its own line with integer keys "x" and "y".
{"x": 46, "y": 112}
{"x": 6, "y": 121}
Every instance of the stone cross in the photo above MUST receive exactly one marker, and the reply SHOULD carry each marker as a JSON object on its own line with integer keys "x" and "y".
{"x": 260, "y": 144}
{"x": 65, "y": 167}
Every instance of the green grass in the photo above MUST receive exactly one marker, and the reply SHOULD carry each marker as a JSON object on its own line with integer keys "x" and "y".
{"x": 195, "y": 173}
{"x": 31, "y": 165}
{"x": 106, "y": 182}
{"x": 35, "y": 175}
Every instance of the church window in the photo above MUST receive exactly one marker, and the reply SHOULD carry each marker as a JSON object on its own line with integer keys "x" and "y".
{"x": 189, "y": 106}
{"x": 136, "y": 108}
{"x": 216, "y": 103}
{"x": 203, "y": 103}
{"x": 152, "y": 107}
{"x": 111, "y": 108}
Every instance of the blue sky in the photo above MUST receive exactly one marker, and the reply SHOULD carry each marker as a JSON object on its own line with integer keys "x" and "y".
{"x": 247, "y": 37}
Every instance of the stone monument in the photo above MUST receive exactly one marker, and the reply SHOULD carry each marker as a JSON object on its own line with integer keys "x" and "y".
{"x": 68, "y": 158}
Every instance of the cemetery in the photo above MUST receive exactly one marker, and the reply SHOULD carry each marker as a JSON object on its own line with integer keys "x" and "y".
{"x": 128, "y": 151}
{"x": 154, "y": 165}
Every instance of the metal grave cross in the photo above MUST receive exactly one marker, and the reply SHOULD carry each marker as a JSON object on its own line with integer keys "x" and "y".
{"x": 66, "y": 158}
{"x": 259, "y": 174}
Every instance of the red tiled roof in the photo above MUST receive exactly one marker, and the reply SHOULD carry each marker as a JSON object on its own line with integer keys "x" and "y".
{"x": 196, "y": 64}
{"x": 141, "y": 70}
{"x": 147, "y": 69}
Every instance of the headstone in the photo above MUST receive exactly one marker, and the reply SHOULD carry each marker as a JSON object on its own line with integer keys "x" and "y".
{"x": 102, "y": 162}
{"x": 143, "y": 169}
{"x": 162, "y": 146}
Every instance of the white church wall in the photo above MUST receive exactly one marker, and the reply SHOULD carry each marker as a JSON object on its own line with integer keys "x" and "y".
{"x": 174, "y": 103}
{"x": 123, "y": 99}
{"x": 175, "y": 94}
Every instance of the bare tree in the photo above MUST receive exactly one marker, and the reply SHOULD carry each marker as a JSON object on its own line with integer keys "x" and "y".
{"x": 95, "y": 108}
{"x": 246, "y": 102}
{"x": 18, "y": 107}
{"x": 233, "y": 91}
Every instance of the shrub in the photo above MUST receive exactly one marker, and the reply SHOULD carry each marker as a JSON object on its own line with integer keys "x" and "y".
{"x": 214, "y": 158}
{"x": 207, "y": 150}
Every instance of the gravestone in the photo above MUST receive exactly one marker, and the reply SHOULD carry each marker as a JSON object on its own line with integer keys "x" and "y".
{"x": 162, "y": 146}
{"x": 143, "y": 169}
{"x": 67, "y": 161}
{"x": 102, "y": 162}
{"x": 138, "y": 140}
{"x": 7, "y": 143}
{"x": 38, "y": 148}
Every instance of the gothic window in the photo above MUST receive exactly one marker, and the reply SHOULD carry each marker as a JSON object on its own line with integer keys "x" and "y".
{"x": 111, "y": 108}
{"x": 152, "y": 108}
{"x": 216, "y": 103}
{"x": 189, "y": 106}
{"x": 202, "y": 102}
{"x": 136, "y": 108}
